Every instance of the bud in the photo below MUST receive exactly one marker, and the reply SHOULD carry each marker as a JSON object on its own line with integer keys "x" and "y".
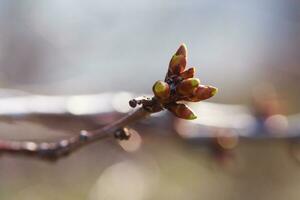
{"x": 161, "y": 90}
{"x": 177, "y": 64}
{"x": 189, "y": 73}
{"x": 182, "y": 50}
{"x": 187, "y": 86}
{"x": 182, "y": 111}
{"x": 202, "y": 92}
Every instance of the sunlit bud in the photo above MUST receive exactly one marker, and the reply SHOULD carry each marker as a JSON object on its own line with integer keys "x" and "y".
{"x": 182, "y": 111}
{"x": 203, "y": 92}
{"x": 161, "y": 90}
{"x": 182, "y": 50}
{"x": 189, "y": 73}
{"x": 187, "y": 86}
{"x": 177, "y": 64}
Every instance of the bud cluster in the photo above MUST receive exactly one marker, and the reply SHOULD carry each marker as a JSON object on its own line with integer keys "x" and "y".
{"x": 180, "y": 85}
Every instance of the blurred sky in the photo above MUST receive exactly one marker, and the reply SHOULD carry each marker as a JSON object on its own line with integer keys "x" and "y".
{"x": 72, "y": 47}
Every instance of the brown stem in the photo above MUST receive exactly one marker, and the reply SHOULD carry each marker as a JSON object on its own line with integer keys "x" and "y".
{"x": 57, "y": 149}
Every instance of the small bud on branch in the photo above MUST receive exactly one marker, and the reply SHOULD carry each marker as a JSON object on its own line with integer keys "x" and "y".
{"x": 182, "y": 85}
{"x": 181, "y": 111}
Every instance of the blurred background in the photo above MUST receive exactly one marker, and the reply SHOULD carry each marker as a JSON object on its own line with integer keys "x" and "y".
{"x": 64, "y": 47}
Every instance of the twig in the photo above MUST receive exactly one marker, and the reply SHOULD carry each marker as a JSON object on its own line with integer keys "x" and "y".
{"x": 180, "y": 85}
{"x": 58, "y": 149}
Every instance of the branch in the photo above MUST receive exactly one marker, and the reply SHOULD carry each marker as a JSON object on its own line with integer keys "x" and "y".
{"x": 61, "y": 148}
{"x": 179, "y": 86}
